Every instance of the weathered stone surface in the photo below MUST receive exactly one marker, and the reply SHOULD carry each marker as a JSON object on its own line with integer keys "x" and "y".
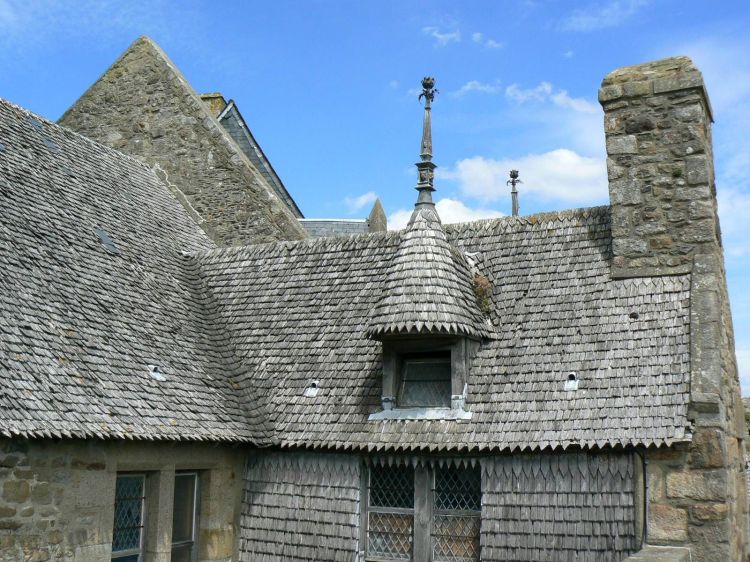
{"x": 143, "y": 106}
{"x": 661, "y": 138}
{"x": 667, "y": 523}
{"x": 708, "y": 449}
{"x": 16, "y": 491}
{"x": 709, "y": 511}
{"x": 698, "y": 485}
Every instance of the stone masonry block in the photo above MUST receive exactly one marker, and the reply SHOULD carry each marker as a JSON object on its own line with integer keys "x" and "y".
{"x": 709, "y": 511}
{"x": 622, "y": 145}
{"x": 697, "y": 169}
{"x": 667, "y": 523}
{"x": 609, "y": 93}
{"x": 629, "y": 247}
{"x": 708, "y": 485}
{"x": 625, "y": 192}
{"x": 708, "y": 449}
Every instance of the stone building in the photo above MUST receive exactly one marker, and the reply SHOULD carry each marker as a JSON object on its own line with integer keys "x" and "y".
{"x": 187, "y": 376}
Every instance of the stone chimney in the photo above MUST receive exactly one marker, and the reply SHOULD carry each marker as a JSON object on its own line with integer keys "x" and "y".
{"x": 657, "y": 121}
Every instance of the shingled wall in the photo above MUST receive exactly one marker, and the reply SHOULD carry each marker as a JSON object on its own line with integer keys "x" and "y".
{"x": 571, "y": 506}
{"x": 300, "y": 507}
{"x": 144, "y": 107}
{"x": 665, "y": 222}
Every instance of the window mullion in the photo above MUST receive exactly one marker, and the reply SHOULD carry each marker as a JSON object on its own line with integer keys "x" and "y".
{"x": 423, "y": 477}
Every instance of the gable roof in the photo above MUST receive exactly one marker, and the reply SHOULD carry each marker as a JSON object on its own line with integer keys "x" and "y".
{"x": 144, "y": 106}
{"x": 297, "y": 312}
{"x": 94, "y": 291}
{"x": 240, "y": 333}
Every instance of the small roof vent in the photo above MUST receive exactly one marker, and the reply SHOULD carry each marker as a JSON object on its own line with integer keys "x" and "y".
{"x": 156, "y": 373}
{"x": 572, "y": 382}
{"x": 312, "y": 389}
{"x": 52, "y": 145}
{"x": 2, "y": 147}
{"x": 35, "y": 123}
{"x": 107, "y": 241}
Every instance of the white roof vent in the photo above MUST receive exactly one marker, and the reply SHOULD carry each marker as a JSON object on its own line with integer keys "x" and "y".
{"x": 312, "y": 389}
{"x": 156, "y": 373}
{"x": 572, "y": 382}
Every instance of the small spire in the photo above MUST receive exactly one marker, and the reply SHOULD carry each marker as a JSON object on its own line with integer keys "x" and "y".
{"x": 425, "y": 166}
{"x": 513, "y": 191}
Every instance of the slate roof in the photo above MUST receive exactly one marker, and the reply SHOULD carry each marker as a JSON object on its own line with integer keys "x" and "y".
{"x": 239, "y": 333}
{"x": 80, "y": 324}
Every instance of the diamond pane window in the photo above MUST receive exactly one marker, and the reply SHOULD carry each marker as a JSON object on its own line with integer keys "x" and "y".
{"x": 456, "y": 519}
{"x": 390, "y": 518}
{"x": 389, "y": 535}
{"x": 127, "y": 530}
{"x": 426, "y": 381}
{"x": 392, "y": 486}
{"x": 458, "y": 489}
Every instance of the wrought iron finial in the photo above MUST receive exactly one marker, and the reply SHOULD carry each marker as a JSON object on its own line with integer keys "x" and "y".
{"x": 513, "y": 181}
{"x": 428, "y": 90}
{"x": 426, "y": 168}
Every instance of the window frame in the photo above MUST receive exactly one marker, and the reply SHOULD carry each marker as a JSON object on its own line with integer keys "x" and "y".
{"x": 423, "y": 513}
{"x": 461, "y": 349}
{"x": 193, "y": 542}
{"x": 139, "y": 551}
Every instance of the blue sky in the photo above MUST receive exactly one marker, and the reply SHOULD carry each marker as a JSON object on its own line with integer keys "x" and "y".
{"x": 329, "y": 89}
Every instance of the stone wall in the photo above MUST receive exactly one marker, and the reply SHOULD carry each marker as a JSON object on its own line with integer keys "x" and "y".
{"x": 57, "y": 498}
{"x": 664, "y": 222}
{"x": 144, "y": 107}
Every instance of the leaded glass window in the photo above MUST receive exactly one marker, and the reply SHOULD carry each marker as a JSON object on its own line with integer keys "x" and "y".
{"x": 390, "y": 516}
{"x": 425, "y": 381}
{"x": 456, "y": 514}
{"x": 448, "y": 528}
{"x": 127, "y": 530}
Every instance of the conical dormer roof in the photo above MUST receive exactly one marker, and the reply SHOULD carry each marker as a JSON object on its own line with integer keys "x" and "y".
{"x": 429, "y": 285}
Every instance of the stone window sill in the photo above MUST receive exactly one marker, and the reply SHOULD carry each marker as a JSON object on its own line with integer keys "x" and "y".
{"x": 421, "y": 414}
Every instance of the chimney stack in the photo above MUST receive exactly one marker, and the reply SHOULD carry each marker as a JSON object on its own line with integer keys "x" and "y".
{"x": 657, "y": 121}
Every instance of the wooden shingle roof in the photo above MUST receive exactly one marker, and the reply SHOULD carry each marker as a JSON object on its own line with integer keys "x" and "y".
{"x": 428, "y": 286}
{"x": 120, "y": 319}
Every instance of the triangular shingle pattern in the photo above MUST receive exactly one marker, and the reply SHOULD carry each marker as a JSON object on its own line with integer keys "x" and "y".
{"x": 239, "y": 333}
{"x": 428, "y": 286}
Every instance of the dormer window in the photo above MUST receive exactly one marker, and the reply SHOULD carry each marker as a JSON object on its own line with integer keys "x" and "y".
{"x": 425, "y": 381}
{"x": 425, "y": 377}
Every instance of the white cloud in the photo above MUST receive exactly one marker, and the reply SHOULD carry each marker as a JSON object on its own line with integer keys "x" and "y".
{"x": 561, "y": 174}
{"x": 442, "y": 39}
{"x": 540, "y": 93}
{"x": 602, "y": 15}
{"x": 480, "y": 87}
{"x": 479, "y": 39}
{"x": 354, "y": 204}
{"x": 569, "y": 54}
{"x": 450, "y": 211}
{"x": 394, "y": 84}
{"x": 546, "y": 92}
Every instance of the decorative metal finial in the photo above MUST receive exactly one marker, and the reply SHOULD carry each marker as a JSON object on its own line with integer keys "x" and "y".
{"x": 426, "y": 167}
{"x": 428, "y": 89}
{"x": 513, "y": 191}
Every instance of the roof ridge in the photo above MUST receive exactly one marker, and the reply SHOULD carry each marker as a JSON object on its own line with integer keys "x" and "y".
{"x": 545, "y": 216}
{"x": 321, "y": 242}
